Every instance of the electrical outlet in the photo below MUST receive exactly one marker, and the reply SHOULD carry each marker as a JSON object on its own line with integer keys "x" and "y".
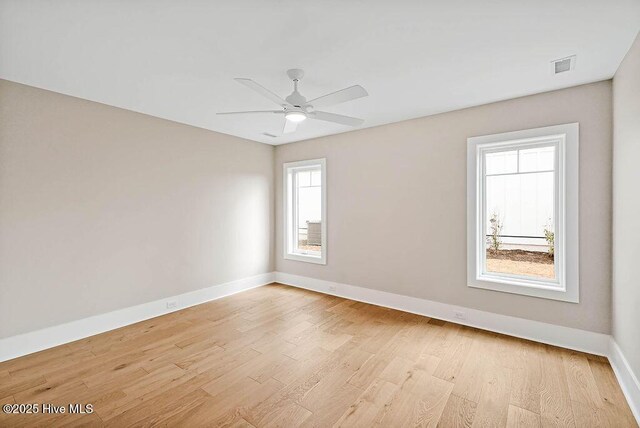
{"x": 459, "y": 315}
{"x": 333, "y": 288}
{"x": 172, "y": 304}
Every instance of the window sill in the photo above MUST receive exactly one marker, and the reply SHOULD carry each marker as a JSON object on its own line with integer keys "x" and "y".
{"x": 543, "y": 290}
{"x": 308, "y": 258}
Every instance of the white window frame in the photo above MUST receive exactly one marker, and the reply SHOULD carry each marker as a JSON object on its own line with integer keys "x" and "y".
{"x": 290, "y": 225}
{"x": 565, "y": 286}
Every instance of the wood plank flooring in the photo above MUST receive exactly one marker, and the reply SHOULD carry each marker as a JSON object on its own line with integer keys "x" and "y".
{"x": 279, "y": 356}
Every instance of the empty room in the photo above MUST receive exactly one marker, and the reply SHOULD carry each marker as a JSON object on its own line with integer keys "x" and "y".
{"x": 279, "y": 213}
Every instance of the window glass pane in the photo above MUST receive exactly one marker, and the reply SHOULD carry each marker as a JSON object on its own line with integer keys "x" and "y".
{"x": 316, "y": 179}
{"x": 519, "y": 220}
{"x": 537, "y": 159}
{"x": 304, "y": 178}
{"x": 308, "y": 212}
{"x": 501, "y": 162}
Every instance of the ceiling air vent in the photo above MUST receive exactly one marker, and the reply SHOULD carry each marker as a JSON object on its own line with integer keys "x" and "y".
{"x": 266, "y": 134}
{"x": 563, "y": 64}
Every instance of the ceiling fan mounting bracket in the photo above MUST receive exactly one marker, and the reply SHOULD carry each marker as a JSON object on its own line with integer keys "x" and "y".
{"x": 295, "y": 74}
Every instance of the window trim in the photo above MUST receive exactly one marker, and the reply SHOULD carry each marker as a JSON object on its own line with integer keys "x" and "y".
{"x": 289, "y": 222}
{"x": 566, "y": 285}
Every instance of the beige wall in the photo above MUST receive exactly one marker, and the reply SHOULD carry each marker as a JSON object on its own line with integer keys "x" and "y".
{"x": 103, "y": 208}
{"x": 626, "y": 207}
{"x": 397, "y": 205}
{"x": 112, "y": 208}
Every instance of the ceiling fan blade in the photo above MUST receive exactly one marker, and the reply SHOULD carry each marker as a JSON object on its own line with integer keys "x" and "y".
{"x": 289, "y": 126}
{"x": 250, "y": 112}
{"x": 336, "y": 118}
{"x": 341, "y": 96}
{"x": 262, "y": 91}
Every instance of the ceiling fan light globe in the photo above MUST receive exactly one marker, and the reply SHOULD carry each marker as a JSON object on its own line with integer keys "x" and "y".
{"x": 295, "y": 116}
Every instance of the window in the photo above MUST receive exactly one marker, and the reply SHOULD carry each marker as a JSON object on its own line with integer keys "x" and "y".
{"x": 305, "y": 211}
{"x": 522, "y": 212}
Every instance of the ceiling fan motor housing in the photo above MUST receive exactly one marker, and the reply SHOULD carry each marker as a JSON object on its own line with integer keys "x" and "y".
{"x": 296, "y": 99}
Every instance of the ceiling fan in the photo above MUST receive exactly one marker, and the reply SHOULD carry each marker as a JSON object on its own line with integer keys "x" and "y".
{"x": 296, "y": 108}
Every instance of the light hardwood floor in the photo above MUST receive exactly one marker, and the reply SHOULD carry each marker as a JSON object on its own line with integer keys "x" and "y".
{"x": 280, "y": 356}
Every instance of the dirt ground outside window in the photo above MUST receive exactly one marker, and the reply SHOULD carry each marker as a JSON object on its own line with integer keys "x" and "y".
{"x": 303, "y": 246}
{"x": 521, "y": 262}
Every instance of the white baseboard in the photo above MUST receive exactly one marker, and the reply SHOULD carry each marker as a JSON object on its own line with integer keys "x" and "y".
{"x": 626, "y": 378}
{"x": 566, "y": 337}
{"x": 23, "y": 344}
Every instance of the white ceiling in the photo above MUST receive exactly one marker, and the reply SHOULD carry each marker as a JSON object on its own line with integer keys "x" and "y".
{"x": 177, "y": 59}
